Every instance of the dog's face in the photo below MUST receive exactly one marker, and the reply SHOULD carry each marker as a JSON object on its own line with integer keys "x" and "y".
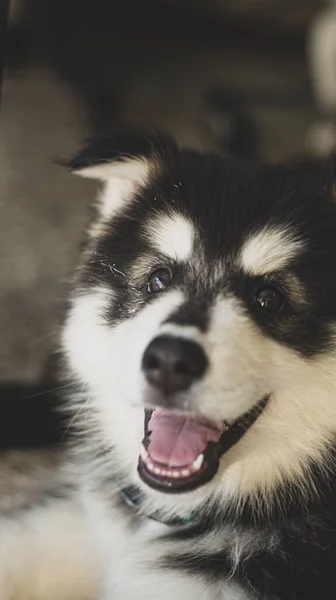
{"x": 202, "y": 324}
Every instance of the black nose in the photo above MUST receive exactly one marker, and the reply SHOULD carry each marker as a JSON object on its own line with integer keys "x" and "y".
{"x": 172, "y": 364}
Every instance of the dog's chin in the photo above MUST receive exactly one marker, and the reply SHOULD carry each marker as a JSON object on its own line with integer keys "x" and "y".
{"x": 181, "y": 452}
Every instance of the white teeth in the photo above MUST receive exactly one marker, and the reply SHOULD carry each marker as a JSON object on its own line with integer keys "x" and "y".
{"x": 143, "y": 453}
{"x": 198, "y": 462}
{"x": 172, "y": 474}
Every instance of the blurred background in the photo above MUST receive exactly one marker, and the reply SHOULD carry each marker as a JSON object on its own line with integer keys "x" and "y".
{"x": 256, "y": 78}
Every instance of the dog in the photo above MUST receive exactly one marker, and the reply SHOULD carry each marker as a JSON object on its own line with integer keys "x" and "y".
{"x": 201, "y": 335}
{"x": 200, "y": 340}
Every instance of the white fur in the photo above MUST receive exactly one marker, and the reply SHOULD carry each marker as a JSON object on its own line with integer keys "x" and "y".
{"x": 269, "y": 250}
{"x": 237, "y": 377}
{"x": 296, "y": 426}
{"x": 109, "y": 362}
{"x": 46, "y": 553}
{"x": 172, "y": 235}
{"x": 121, "y": 179}
{"x": 188, "y": 332}
{"x": 129, "y": 169}
{"x": 130, "y": 555}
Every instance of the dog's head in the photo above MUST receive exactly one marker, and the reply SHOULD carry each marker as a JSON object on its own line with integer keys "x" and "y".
{"x": 202, "y": 323}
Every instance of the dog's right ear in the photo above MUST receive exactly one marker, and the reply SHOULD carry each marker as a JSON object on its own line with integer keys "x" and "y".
{"x": 124, "y": 161}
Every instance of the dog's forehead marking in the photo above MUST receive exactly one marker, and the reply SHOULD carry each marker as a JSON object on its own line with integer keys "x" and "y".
{"x": 269, "y": 250}
{"x": 187, "y": 332}
{"x": 172, "y": 235}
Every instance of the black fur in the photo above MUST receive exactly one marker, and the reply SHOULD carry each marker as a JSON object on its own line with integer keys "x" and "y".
{"x": 242, "y": 199}
{"x": 299, "y": 565}
{"x": 127, "y": 141}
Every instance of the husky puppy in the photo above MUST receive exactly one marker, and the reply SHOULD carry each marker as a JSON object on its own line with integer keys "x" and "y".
{"x": 202, "y": 337}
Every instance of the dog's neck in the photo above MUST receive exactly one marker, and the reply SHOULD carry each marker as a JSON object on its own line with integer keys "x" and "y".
{"x": 134, "y": 499}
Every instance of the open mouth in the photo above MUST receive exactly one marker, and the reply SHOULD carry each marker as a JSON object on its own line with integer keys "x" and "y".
{"x": 180, "y": 452}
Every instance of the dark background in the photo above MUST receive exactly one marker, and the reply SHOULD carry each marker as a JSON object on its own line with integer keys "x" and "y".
{"x": 230, "y": 75}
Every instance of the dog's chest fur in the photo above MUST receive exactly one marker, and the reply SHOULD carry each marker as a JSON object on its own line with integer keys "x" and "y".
{"x": 137, "y": 558}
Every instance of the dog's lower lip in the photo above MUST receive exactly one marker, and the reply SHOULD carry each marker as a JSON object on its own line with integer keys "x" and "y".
{"x": 170, "y": 479}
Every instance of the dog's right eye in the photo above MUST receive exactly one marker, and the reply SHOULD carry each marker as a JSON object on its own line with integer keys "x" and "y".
{"x": 159, "y": 280}
{"x": 269, "y": 299}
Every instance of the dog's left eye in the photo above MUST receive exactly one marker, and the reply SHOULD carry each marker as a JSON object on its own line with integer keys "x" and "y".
{"x": 269, "y": 298}
{"x": 158, "y": 280}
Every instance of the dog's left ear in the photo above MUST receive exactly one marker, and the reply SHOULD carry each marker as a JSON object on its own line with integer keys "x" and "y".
{"x": 125, "y": 161}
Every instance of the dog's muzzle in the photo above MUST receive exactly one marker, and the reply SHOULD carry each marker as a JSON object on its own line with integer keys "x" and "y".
{"x": 181, "y": 450}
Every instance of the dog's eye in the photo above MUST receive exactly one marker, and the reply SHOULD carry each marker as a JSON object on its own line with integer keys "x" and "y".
{"x": 159, "y": 280}
{"x": 269, "y": 298}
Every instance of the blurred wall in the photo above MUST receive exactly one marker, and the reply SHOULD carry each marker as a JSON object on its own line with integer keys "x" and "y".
{"x": 231, "y": 76}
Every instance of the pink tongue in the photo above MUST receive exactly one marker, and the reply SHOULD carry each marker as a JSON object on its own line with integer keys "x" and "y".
{"x": 176, "y": 440}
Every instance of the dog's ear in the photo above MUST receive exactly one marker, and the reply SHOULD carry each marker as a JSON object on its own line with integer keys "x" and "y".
{"x": 124, "y": 161}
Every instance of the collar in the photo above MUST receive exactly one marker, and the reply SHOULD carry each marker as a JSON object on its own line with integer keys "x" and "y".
{"x": 134, "y": 498}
